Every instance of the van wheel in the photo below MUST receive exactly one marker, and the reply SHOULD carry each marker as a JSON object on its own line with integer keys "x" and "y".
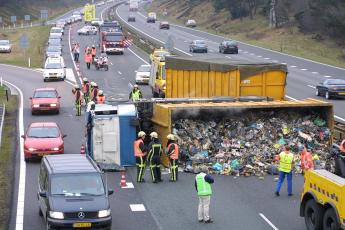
{"x": 330, "y": 220}
{"x": 313, "y": 213}
{"x": 40, "y": 212}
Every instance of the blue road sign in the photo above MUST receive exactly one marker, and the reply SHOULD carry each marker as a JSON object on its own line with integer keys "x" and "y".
{"x": 27, "y": 17}
{"x": 24, "y": 41}
{"x": 44, "y": 14}
{"x": 13, "y": 19}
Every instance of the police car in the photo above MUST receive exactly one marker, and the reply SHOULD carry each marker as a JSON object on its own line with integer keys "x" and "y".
{"x": 54, "y": 68}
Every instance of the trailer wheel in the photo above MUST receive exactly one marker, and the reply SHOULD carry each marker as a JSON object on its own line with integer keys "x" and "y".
{"x": 313, "y": 213}
{"x": 330, "y": 220}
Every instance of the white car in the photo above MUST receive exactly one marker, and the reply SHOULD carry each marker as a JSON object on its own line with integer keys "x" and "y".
{"x": 87, "y": 30}
{"x": 60, "y": 23}
{"x": 96, "y": 22}
{"x": 54, "y": 68}
{"x": 191, "y": 23}
{"x": 143, "y": 74}
{"x": 57, "y": 31}
{"x": 5, "y": 46}
{"x": 77, "y": 18}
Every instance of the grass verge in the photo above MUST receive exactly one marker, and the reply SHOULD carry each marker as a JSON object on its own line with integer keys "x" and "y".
{"x": 7, "y": 156}
{"x": 37, "y": 36}
{"x": 256, "y": 32}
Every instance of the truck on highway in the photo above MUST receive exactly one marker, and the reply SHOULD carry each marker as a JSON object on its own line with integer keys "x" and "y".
{"x": 133, "y": 5}
{"x": 112, "y": 42}
{"x": 323, "y": 200}
{"x": 194, "y": 77}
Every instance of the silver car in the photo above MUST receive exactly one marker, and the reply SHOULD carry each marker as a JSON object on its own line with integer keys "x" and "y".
{"x": 5, "y": 46}
{"x": 143, "y": 74}
{"x": 53, "y": 51}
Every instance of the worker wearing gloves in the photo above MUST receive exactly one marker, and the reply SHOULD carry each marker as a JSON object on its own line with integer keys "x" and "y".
{"x": 135, "y": 94}
{"x": 154, "y": 157}
{"x": 286, "y": 165}
{"x": 140, "y": 156}
{"x": 100, "y": 99}
{"x": 78, "y": 99}
{"x": 306, "y": 160}
{"x": 172, "y": 152}
{"x": 86, "y": 90}
{"x": 203, "y": 186}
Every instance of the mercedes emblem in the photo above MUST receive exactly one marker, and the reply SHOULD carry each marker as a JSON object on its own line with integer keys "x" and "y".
{"x": 81, "y": 215}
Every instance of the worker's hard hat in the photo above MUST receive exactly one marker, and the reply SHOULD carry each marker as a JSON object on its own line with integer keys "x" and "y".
{"x": 141, "y": 134}
{"x": 92, "y": 83}
{"x": 136, "y": 86}
{"x": 100, "y": 92}
{"x": 95, "y": 84}
{"x": 171, "y": 137}
{"x": 154, "y": 135}
{"x": 85, "y": 79}
{"x": 93, "y": 46}
{"x": 76, "y": 86}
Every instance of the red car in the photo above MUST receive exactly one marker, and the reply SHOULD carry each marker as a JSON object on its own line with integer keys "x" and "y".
{"x": 43, "y": 138}
{"x": 45, "y": 99}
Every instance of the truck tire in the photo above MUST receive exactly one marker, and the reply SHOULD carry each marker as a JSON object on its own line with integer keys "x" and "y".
{"x": 313, "y": 213}
{"x": 330, "y": 220}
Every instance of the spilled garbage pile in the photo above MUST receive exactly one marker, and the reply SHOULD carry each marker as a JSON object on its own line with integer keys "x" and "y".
{"x": 246, "y": 143}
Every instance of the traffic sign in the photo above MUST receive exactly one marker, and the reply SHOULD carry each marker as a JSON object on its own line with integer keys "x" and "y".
{"x": 89, "y": 13}
{"x": 27, "y": 17}
{"x": 24, "y": 41}
{"x": 44, "y": 14}
{"x": 13, "y": 19}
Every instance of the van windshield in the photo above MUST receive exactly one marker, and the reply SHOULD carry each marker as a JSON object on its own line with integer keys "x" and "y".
{"x": 83, "y": 184}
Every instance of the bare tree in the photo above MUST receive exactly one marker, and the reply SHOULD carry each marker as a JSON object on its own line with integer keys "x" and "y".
{"x": 273, "y": 14}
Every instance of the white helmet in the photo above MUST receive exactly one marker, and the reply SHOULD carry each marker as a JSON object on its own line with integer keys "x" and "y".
{"x": 92, "y": 83}
{"x": 85, "y": 79}
{"x": 171, "y": 137}
{"x": 136, "y": 86}
{"x": 100, "y": 92}
{"x": 76, "y": 86}
{"x": 141, "y": 134}
{"x": 154, "y": 135}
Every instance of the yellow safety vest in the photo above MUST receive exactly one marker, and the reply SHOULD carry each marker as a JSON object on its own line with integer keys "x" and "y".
{"x": 285, "y": 162}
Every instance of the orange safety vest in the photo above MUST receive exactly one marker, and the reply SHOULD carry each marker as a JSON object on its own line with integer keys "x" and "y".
{"x": 342, "y": 146}
{"x": 176, "y": 153}
{"x": 100, "y": 99}
{"x": 307, "y": 161}
{"x": 93, "y": 52}
{"x": 88, "y": 58}
{"x": 137, "y": 150}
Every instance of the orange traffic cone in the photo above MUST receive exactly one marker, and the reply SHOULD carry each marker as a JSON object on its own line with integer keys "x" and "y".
{"x": 82, "y": 149}
{"x": 123, "y": 183}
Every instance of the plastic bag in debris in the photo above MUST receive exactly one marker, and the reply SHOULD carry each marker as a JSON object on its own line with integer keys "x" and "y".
{"x": 319, "y": 122}
{"x": 217, "y": 167}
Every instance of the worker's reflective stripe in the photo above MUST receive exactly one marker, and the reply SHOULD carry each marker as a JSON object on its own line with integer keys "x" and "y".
{"x": 137, "y": 150}
{"x": 204, "y": 188}
{"x": 285, "y": 162}
{"x": 153, "y": 149}
{"x": 136, "y": 95}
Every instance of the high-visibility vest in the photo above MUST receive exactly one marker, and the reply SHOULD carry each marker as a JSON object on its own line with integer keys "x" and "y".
{"x": 93, "y": 51}
{"x": 78, "y": 95}
{"x": 285, "y": 162}
{"x": 204, "y": 188}
{"x": 137, "y": 150}
{"x": 175, "y": 154}
{"x": 100, "y": 99}
{"x": 135, "y": 95}
{"x": 88, "y": 58}
{"x": 307, "y": 161}
{"x": 94, "y": 93}
{"x": 342, "y": 146}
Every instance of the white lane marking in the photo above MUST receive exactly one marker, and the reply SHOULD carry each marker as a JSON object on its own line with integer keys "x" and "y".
{"x": 245, "y": 52}
{"x": 293, "y": 66}
{"x": 70, "y": 75}
{"x": 327, "y": 76}
{"x": 304, "y": 69}
{"x": 268, "y": 221}
{"x": 267, "y": 58}
{"x": 70, "y": 48}
{"x": 277, "y": 52}
{"x": 138, "y": 56}
{"x": 314, "y": 72}
{"x": 259, "y": 56}
{"x": 70, "y": 83}
{"x": 291, "y": 98}
{"x": 117, "y": 12}
{"x": 137, "y": 207}
{"x": 119, "y": 72}
{"x": 228, "y": 57}
{"x": 22, "y": 165}
{"x": 311, "y": 86}
{"x": 252, "y": 54}
{"x": 283, "y": 63}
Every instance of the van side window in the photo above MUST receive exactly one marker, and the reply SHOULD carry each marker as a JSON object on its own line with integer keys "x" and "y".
{"x": 43, "y": 178}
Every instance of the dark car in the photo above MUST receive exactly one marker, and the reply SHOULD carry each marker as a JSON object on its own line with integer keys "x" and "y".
{"x": 164, "y": 25}
{"x": 73, "y": 194}
{"x": 331, "y": 88}
{"x": 198, "y": 46}
{"x": 131, "y": 18}
{"x": 228, "y": 47}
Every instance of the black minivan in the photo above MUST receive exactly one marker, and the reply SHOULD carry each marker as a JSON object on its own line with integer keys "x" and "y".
{"x": 72, "y": 193}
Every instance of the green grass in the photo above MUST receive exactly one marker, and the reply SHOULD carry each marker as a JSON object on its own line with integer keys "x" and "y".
{"x": 38, "y": 37}
{"x": 7, "y": 156}
{"x": 256, "y": 32}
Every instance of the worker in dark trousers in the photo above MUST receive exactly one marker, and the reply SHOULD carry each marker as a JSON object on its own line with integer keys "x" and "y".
{"x": 89, "y": 126}
{"x": 140, "y": 156}
{"x": 86, "y": 90}
{"x": 78, "y": 99}
{"x": 154, "y": 157}
{"x": 172, "y": 152}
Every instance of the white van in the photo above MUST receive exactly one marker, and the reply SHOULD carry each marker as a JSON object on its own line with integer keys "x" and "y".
{"x": 57, "y": 31}
{"x": 54, "y": 69}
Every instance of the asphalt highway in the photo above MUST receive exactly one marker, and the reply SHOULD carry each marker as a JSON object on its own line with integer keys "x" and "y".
{"x": 303, "y": 74}
{"x": 237, "y": 203}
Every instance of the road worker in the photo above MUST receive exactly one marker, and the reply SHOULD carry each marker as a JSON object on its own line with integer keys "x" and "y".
{"x": 203, "y": 187}
{"x": 342, "y": 146}
{"x": 94, "y": 92}
{"x": 86, "y": 90}
{"x": 88, "y": 58}
{"x": 93, "y": 52}
{"x": 154, "y": 157}
{"x": 306, "y": 160}
{"x": 78, "y": 98}
{"x": 140, "y": 156}
{"x": 135, "y": 94}
{"x": 100, "y": 99}
{"x": 285, "y": 169}
{"x": 172, "y": 152}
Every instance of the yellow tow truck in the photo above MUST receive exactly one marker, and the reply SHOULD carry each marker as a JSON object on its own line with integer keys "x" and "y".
{"x": 323, "y": 200}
